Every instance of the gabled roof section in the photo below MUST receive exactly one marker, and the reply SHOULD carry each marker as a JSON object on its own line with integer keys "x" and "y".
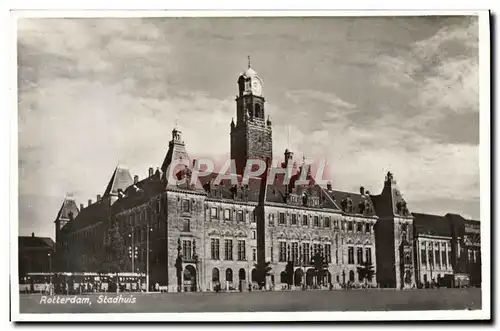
{"x": 433, "y": 225}
{"x": 120, "y": 180}
{"x": 352, "y": 203}
{"x": 95, "y": 213}
{"x": 68, "y": 208}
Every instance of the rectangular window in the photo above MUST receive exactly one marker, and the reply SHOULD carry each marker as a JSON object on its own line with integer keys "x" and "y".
{"x": 359, "y": 254}
{"x": 271, "y": 219}
{"x": 316, "y": 221}
{"x": 214, "y": 213}
{"x": 423, "y": 257}
{"x": 368, "y": 255}
{"x": 449, "y": 255}
{"x": 294, "y": 219}
{"x": 327, "y": 222}
{"x": 239, "y": 216}
{"x": 282, "y": 257}
{"x": 214, "y": 245}
{"x": 254, "y": 254}
{"x": 367, "y": 228}
{"x": 328, "y": 253}
{"x": 431, "y": 258}
{"x": 228, "y": 243}
{"x": 438, "y": 258}
{"x": 305, "y": 250}
{"x": 254, "y": 235}
{"x": 349, "y": 224}
{"x": 186, "y": 249}
{"x": 254, "y": 217}
{"x": 185, "y": 206}
{"x": 227, "y": 214}
{"x": 304, "y": 220}
{"x": 359, "y": 227}
{"x": 295, "y": 252}
{"x": 282, "y": 218}
{"x": 443, "y": 258}
{"x": 186, "y": 225}
{"x": 241, "y": 250}
{"x": 350, "y": 255}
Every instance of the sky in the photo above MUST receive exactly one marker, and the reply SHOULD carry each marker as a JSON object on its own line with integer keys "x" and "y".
{"x": 368, "y": 94}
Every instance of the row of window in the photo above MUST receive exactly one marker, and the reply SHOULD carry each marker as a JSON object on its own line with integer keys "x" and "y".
{"x": 230, "y": 215}
{"x": 228, "y": 250}
{"x": 435, "y": 258}
{"x": 303, "y": 253}
{"x": 359, "y": 255}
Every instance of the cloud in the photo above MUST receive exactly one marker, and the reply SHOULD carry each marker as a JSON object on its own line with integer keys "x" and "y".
{"x": 94, "y": 92}
{"x": 443, "y": 70}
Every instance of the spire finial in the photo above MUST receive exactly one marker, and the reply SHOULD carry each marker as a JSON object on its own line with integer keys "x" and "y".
{"x": 249, "y": 64}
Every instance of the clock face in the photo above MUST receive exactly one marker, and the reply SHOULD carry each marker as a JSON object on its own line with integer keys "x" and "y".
{"x": 256, "y": 87}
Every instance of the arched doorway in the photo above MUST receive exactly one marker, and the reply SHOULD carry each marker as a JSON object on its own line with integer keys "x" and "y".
{"x": 254, "y": 275}
{"x": 351, "y": 276}
{"x": 242, "y": 275}
{"x": 310, "y": 277}
{"x": 189, "y": 279}
{"x": 215, "y": 277}
{"x": 283, "y": 279}
{"x": 229, "y": 278}
{"x": 298, "y": 275}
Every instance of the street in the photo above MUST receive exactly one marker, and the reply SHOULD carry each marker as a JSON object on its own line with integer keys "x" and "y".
{"x": 341, "y": 300}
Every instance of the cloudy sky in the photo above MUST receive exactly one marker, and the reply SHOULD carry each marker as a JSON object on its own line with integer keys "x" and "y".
{"x": 368, "y": 94}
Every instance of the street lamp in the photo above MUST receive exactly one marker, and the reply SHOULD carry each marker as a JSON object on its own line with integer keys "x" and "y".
{"x": 50, "y": 272}
{"x": 147, "y": 257}
{"x": 132, "y": 250}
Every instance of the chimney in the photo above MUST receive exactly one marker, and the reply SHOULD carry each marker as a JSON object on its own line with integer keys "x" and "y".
{"x": 150, "y": 172}
{"x": 136, "y": 179}
{"x": 32, "y": 235}
{"x": 329, "y": 186}
{"x": 98, "y": 197}
{"x": 288, "y": 157}
{"x": 362, "y": 190}
{"x": 81, "y": 207}
{"x": 90, "y": 202}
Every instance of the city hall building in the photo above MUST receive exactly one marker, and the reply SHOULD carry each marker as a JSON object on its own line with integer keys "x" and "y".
{"x": 193, "y": 237}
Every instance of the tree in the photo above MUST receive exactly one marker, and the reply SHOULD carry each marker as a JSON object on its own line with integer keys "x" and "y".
{"x": 318, "y": 261}
{"x": 262, "y": 270}
{"x": 117, "y": 259}
{"x": 289, "y": 273}
{"x": 366, "y": 272}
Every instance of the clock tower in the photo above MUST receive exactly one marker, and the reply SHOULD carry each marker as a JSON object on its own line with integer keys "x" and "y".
{"x": 251, "y": 135}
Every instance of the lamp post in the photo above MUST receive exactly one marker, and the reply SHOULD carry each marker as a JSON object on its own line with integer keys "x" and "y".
{"x": 132, "y": 250}
{"x": 147, "y": 256}
{"x": 50, "y": 272}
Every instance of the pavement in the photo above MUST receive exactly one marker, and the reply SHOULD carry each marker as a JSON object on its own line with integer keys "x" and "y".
{"x": 286, "y": 301}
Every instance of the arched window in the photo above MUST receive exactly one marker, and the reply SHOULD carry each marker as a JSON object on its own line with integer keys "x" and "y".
{"x": 215, "y": 275}
{"x": 242, "y": 274}
{"x": 229, "y": 275}
{"x": 351, "y": 276}
{"x": 258, "y": 111}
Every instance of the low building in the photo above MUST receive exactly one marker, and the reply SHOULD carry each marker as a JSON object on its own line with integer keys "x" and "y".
{"x": 35, "y": 254}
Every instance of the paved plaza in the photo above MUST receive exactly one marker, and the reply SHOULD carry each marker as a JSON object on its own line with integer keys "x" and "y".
{"x": 340, "y": 300}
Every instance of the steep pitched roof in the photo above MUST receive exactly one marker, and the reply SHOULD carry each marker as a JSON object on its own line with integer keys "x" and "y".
{"x": 95, "y": 213}
{"x": 120, "y": 180}
{"x": 68, "y": 206}
{"x": 427, "y": 224}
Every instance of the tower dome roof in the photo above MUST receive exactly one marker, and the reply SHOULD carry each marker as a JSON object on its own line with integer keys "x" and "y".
{"x": 250, "y": 72}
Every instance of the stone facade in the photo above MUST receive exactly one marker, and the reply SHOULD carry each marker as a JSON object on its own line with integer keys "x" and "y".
{"x": 197, "y": 236}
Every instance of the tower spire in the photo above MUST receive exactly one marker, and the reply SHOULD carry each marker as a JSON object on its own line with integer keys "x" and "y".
{"x": 249, "y": 64}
